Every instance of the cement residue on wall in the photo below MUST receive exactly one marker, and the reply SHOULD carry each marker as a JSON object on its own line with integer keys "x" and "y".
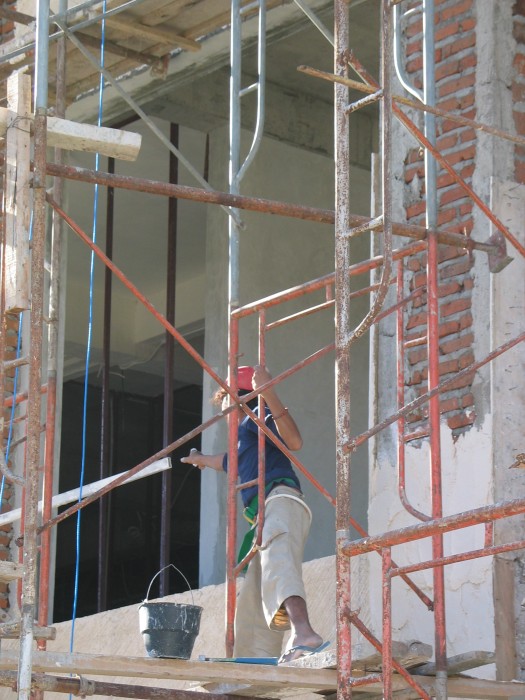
{"x": 116, "y": 632}
{"x": 467, "y": 483}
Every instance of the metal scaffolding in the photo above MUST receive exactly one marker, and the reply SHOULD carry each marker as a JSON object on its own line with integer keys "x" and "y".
{"x": 337, "y": 296}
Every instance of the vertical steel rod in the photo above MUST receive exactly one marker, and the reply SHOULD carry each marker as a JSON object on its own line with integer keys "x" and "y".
{"x": 104, "y": 514}
{"x": 386, "y": 558}
{"x": 342, "y": 333}
{"x": 167, "y": 423}
{"x": 429, "y": 89}
{"x": 231, "y": 533}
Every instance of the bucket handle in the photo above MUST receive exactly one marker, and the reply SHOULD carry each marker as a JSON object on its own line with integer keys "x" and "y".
{"x": 179, "y": 571}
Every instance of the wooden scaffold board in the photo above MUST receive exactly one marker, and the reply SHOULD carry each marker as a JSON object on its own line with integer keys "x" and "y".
{"x": 255, "y": 680}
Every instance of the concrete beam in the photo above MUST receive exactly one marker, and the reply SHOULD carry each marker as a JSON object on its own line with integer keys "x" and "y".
{"x": 73, "y": 136}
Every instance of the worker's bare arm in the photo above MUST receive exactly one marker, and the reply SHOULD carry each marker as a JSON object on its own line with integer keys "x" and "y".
{"x": 286, "y": 426}
{"x": 197, "y": 459}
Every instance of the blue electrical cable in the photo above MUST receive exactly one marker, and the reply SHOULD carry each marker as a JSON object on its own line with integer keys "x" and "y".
{"x": 15, "y": 383}
{"x": 88, "y": 348}
{"x": 13, "y": 406}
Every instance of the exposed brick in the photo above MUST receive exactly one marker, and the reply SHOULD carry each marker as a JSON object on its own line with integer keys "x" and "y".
{"x": 450, "y": 252}
{"x": 467, "y": 400}
{"x": 446, "y": 142}
{"x": 416, "y": 320}
{"x": 518, "y": 32}
{"x": 448, "y": 327}
{"x": 467, "y": 153}
{"x": 461, "y": 382}
{"x": 519, "y": 172}
{"x": 449, "y": 405}
{"x": 446, "y": 290}
{"x": 448, "y": 367}
{"x": 413, "y": 264}
{"x": 464, "y": 341}
{"x": 460, "y": 83}
{"x": 465, "y": 321}
{"x": 519, "y": 121}
{"x": 454, "y": 307}
{"x": 451, "y": 195}
{"x": 416, "y": 356}
{"x": 461, "y": 420}
{"x": 415, "y": 64}
{"x": 459, "y": 268}
{"x": 518, "y": 7}
{"x": 415, "y": 209}
{"x": 518, "y": 63}
{"x": 446, "y": 215}
{"x": 466, "y": 359}
{"x": 455, "y": 9}
{"x": 461, "y": 43}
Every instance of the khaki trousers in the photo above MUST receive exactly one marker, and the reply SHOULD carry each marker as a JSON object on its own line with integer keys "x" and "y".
{"x": 274, "y": 574}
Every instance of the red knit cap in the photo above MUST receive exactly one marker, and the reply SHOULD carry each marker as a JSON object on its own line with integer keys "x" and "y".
{"x": 244, "y": 376}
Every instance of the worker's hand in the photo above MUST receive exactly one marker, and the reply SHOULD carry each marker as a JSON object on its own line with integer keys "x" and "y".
{"x": 260, "y": 376}
{"x": 195, "y": 458}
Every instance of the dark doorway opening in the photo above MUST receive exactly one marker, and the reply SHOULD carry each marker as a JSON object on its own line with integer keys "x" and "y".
{"x": 133, "y": 528}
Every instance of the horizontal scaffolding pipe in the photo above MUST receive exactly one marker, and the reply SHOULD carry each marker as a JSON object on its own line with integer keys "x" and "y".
{"x": 476, "y": 516}
{"x": 267, "y": 206}
{"x": 84, "y": 687}
{"x": 372, "y": 90}
{"x": 63, "y": 499}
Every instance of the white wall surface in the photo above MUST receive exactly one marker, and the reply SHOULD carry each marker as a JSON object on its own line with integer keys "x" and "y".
{"x": 276, "y": 254}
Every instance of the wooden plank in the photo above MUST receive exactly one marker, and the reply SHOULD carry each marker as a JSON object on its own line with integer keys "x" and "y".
{"x": 408, "y": 654}
{"x": 10, "y": 571}
{"x": 166, "y": 36}
{"x": 17, "y": 191}
{"x": 73, "y": 136}
{"x": 249, "y": 679}
{"x": 459, "y": 663}
{"x": 464, "y": 687}
{"x": 270, "y": 677}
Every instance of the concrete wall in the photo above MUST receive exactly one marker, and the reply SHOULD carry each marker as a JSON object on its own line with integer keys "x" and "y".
{"x": 482, "y": 416}
{"x": 277, "y": 254}
{"x": 116, "y": 633}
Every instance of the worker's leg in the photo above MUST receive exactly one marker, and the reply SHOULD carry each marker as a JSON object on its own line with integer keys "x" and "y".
{"x": 252, "y": 634}
{"x": 286, "y": 528}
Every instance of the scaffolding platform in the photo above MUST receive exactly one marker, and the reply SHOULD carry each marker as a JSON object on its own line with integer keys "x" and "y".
{"x": 315, "y": 674}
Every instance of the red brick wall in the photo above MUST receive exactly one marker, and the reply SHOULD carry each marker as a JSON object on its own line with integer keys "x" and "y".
{"x": 7, "y": 27}
{"x": 518, "y": 86}
{"x": 456, "y": 58}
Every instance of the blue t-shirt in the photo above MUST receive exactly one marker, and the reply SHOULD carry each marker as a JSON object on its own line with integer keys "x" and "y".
{"x": 278, "y": 466}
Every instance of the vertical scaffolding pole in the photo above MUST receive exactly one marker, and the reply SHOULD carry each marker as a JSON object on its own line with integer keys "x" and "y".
{"x": 104, "y": 513}
{"x": 429, "y": 90}
{"x": 30, "y": 553}
{"x": 233, "y": 304}
{"x": 236, "y": 173}
{"x": 52, "y": 349}
{"x": 167, "y": 420}
{"x": 342, "y": 334}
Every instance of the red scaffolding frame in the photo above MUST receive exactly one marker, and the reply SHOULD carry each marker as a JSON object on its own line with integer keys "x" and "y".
{"x": 336, "y": 294}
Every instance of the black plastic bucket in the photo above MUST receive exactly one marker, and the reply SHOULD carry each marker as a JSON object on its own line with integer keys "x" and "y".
{"x": 169, "y": 630}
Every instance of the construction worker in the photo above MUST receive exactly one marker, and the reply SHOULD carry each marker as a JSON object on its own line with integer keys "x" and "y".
{"x": 272, "y": 598}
